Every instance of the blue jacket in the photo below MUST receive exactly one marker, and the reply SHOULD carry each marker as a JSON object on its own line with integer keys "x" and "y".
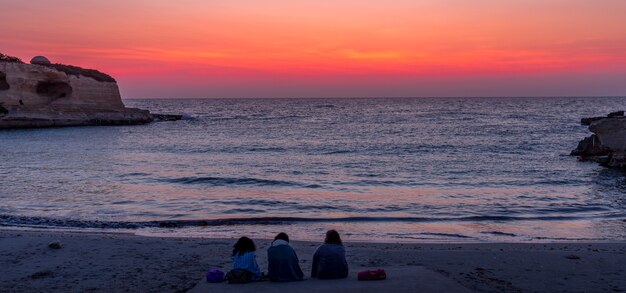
{"x": 282, "y": 263}
{"x": 329, "y": 262}
{"x": 247, "y": 261}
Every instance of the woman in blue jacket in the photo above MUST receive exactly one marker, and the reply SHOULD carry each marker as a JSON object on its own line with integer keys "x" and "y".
{"x": 244, "y": 258}
{"x": 329, "y": 261}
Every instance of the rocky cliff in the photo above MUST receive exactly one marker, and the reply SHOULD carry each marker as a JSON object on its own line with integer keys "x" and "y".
{"x": 608, "y": 143}
{"x": 42, "y": 94}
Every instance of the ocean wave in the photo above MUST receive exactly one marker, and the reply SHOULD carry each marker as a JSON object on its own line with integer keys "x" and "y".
{"x": 257, "y": 117}
{"x": 499, "y": 233}
{"x": 338, "y": 152}
{"x": 266, "y": 149}
{"x": 378, "y": 183}
{"x": 449, "y": 235}
{"x": 244, "y": 210}
{"x": 429, "y": 236}
{"x": 133, "y": 174}
{"x": 230, "y": 181}
{"x": 12, "y": 220}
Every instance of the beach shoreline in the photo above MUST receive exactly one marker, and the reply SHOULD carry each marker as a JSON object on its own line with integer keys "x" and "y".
{"x": 123, "y": 262}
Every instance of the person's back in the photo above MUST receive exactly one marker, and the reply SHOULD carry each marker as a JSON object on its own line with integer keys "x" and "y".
{"x": 244, "y": 258}
{"x": 329, "y": 260}
{"x": 247, "y": 261}
{"x": 282, "y": 261}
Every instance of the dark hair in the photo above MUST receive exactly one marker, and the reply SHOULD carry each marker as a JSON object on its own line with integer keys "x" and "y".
{"x": 332, "y": 237}
{"x": 243, "y": 245}
{"x": 282, "y": 236}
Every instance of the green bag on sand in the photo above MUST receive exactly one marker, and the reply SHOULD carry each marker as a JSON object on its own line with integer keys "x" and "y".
{"x": 239, "y": 276}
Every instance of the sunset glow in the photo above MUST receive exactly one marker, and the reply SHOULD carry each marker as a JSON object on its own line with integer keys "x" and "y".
{"x": 245, "y": 48}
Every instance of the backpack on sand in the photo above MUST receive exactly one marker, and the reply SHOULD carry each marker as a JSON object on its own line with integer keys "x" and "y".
{"x": 239, "y": 276}
{"x": 215, "y": 276}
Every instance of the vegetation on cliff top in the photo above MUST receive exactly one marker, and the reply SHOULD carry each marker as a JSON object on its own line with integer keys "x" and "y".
{"x": 67, "y": 69}
{"x": 7, "y": 58}
{"x": 77, "y": 71}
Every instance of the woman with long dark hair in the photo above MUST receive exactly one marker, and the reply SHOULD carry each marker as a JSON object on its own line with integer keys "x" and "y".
{"x": 244, "y": 258}
{"x": 329, "y": 260}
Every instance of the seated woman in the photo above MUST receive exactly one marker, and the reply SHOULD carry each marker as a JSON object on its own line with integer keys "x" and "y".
{"x": 329, "y": 261}
{"x": 244, "y": 258}
{"x": 282, "y": 261}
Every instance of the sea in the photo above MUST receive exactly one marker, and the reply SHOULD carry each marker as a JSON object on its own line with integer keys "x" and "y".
{"x": 375, "y": 169}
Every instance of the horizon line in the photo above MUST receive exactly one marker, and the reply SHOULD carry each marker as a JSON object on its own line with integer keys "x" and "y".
{"x": 374, "y": 97}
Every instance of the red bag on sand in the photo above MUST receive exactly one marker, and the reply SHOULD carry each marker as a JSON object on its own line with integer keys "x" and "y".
{"x": 372, "y": 275}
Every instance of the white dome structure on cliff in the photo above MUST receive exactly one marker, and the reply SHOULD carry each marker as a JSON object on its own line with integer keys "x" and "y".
{"x": 58, "y": 95}
{"x": 41, "y": 60}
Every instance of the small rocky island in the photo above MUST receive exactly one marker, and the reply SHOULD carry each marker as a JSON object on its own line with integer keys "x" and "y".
{"x": 607, "y": 145}
{"x": 43, "y": 94}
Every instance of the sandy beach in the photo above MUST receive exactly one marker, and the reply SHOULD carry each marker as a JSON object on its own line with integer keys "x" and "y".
{"x": 107, "y": 262}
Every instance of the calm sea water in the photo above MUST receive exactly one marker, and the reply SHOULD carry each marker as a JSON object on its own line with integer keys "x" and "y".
{"x": 387, "y": 169}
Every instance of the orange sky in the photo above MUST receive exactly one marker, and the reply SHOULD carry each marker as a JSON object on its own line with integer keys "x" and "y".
{"x": 279, "y": 48}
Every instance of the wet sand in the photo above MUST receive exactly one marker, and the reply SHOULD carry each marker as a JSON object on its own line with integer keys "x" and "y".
{"x": 101, "y": 262}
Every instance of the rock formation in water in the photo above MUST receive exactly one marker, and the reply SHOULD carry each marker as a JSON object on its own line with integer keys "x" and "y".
{"x": 608, "y": 143}
{"x": 43, "y": 94}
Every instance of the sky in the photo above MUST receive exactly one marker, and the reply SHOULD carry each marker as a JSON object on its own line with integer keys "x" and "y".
{"x": 330, "y": 48}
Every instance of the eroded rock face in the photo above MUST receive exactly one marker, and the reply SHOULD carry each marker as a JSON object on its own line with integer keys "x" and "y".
{"x": 612, "y": 134}
{"x": 608, "y": 143}
{"x": 4, "y": 85}
{"x": 34, "y": 95}
{"x": 54, "y": 89}
{"x": 589, "y": 147}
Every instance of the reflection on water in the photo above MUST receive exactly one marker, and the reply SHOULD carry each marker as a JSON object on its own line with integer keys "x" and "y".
{"x": 403, "y": 169}
{"x": 609, "y": 185}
